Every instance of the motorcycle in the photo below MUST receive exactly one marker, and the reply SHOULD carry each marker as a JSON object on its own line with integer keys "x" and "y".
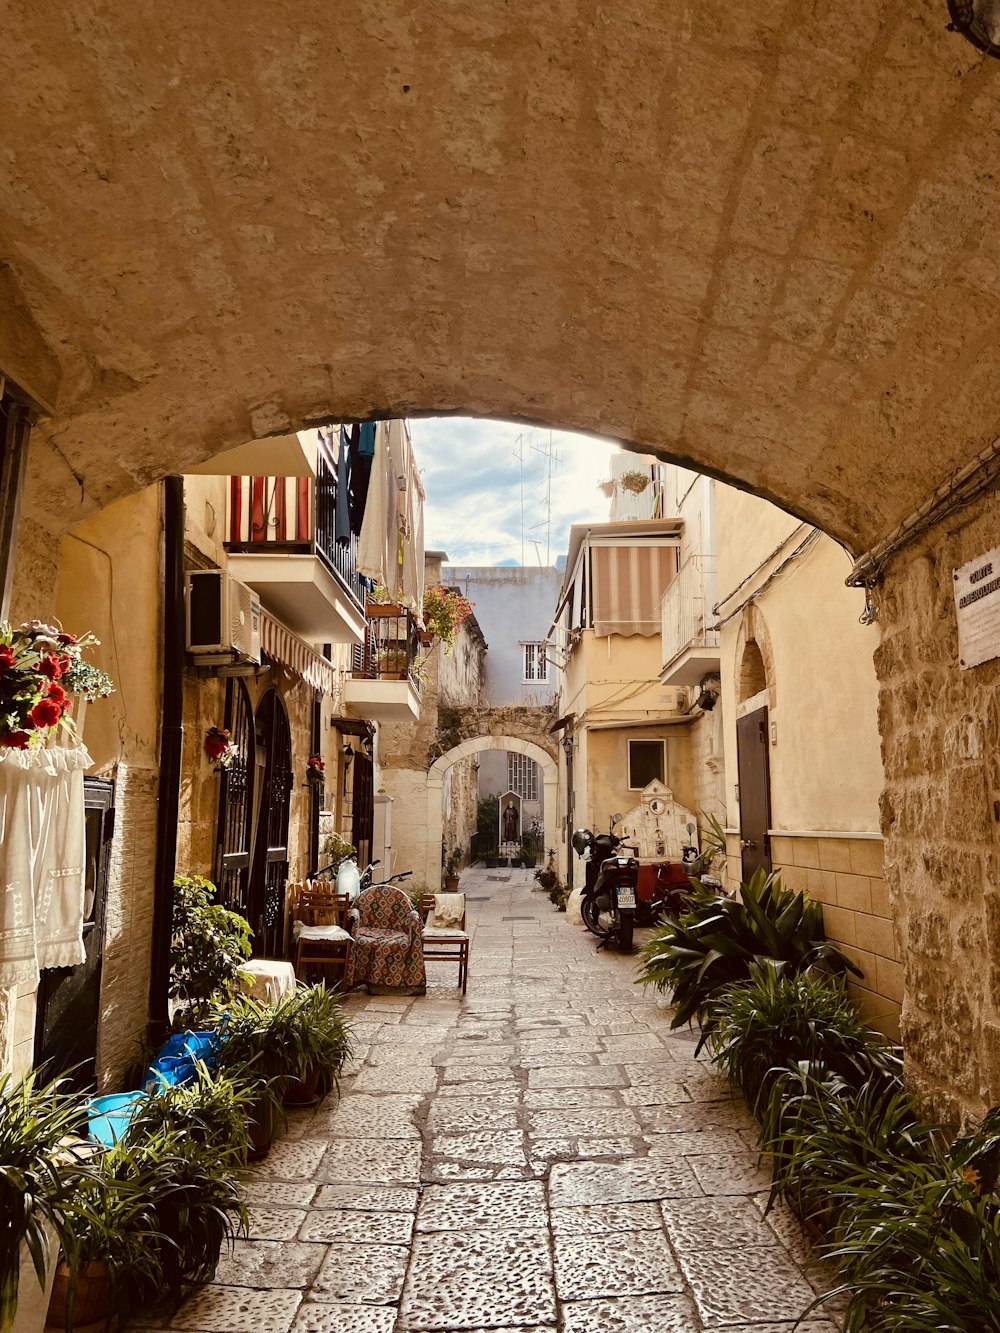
{"x": 611, "y": 880}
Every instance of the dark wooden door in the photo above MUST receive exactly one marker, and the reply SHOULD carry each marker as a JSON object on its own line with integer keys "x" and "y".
{"x": 269, "y": 863}
{"x": 363, "y": 809}
{"x": 69, "y": 998}
{"x": 755, "y": 791}
{"x": 233, "y": 841}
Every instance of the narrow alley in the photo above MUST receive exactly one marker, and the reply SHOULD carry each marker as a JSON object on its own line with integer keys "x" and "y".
{"x": 544, "y": 1154}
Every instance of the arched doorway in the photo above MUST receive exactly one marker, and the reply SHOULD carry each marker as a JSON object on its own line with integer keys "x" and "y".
{"x": 269, "y": 859}
{"x": 435, "y": 789}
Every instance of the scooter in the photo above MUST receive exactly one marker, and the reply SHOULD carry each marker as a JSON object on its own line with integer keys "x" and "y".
{"x": 610, "y": 883}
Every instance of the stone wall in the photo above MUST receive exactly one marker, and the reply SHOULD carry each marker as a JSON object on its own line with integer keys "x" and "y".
{"x": 940, "y": 730}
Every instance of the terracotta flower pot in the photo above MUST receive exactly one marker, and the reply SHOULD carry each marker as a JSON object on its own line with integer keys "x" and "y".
{"x": 303, "y": 1091}
{"x": 261, "y": 1126}
{"x": 451, "y": 883}
{"x": 91, "y": 1301}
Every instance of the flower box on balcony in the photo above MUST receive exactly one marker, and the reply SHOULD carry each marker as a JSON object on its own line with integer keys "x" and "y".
{"x": 384, "y": 611}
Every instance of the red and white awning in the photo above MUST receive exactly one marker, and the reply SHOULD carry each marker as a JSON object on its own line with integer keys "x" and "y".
{"x": 293, "y": 653}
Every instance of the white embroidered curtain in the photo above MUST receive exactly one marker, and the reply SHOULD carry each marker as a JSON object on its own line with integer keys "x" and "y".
{"x": 42, "y": 858}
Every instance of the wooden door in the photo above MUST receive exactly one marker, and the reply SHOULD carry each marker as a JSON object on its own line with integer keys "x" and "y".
{"x": 269, "y": 863}
{"x": 755, "y": 791}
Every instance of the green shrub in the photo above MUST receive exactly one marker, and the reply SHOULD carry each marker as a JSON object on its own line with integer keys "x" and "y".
{"x": 778, "y": 1018}
{"x": 718, "y": 939}
{"x": 285, "y": 1039}
{"x": 208, "y": 945}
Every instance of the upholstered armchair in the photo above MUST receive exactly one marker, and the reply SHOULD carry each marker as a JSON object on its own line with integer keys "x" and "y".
{"x": 386, "y": 953}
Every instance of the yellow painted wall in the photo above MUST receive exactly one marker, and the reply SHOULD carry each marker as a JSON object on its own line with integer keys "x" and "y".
{"x": 826, "y": 765}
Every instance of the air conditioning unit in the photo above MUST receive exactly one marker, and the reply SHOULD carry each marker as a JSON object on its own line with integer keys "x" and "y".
{"x": 223, "y": 619}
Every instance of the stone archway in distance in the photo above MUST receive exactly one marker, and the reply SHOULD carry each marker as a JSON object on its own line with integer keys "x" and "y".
{"x": 435, "y": 795}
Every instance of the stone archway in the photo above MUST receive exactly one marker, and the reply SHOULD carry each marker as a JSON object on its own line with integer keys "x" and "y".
{"x": 465, "y": 750}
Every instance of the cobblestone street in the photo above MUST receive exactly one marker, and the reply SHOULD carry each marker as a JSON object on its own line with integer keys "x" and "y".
{"x": 545, "y": 1154}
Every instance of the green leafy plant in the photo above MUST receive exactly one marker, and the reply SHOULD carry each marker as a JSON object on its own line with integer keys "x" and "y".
{"x": 777, "y": 1019}
{"x": 195, "y": 1206}
{"x": 208, "y": 945}
{"x": 453, "y": 862}
{"x": 287, "y": 1039}
{"x": 38, "y": 1174}
{"x": 211, "y": 1110}
{"x": 444, "y": 609}
{"x": 719, "y": 938}
{"x": 713, "y": 840}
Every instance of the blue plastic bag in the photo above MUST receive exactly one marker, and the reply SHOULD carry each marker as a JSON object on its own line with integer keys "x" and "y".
{"x": 176, "y": 1060}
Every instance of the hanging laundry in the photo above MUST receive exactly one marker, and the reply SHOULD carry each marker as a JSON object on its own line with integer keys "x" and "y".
{"x": 361, "y": 471}
{"x": 342, "y": 524}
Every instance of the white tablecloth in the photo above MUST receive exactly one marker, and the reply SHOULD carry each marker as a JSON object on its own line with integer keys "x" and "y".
{"x": 268, "y": 978}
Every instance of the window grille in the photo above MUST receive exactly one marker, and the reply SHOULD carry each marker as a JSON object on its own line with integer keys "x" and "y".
{"x": 522, "y": 776}
{"x": 536, "y": 664}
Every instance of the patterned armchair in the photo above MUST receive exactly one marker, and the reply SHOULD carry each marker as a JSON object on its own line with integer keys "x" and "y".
{"x": 387, "y": 953}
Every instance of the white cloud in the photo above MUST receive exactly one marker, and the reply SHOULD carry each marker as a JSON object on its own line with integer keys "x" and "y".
{"x": 474, "y": 484}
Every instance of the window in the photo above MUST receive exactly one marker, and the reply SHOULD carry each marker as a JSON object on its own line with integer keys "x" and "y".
{"x": 646, "y": 763}
{"x": 522, "y": 776}
{"x": 536, "y": 664}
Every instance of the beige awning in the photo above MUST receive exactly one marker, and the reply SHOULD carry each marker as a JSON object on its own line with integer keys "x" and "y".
{"x": 628, "y": 582}
{"x": 286, "y": 648}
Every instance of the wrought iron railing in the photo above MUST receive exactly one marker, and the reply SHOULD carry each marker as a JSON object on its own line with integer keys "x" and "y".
{"x": 296, "y": 515}
{"x": 686, "y": 610}
{"x": 391, "y": 650}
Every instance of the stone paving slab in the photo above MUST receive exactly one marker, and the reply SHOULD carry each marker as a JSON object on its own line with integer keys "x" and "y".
{"x": 545, "y": 1154}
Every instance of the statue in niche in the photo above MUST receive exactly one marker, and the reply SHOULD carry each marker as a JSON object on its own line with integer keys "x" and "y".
{"x": 510, "y": 823}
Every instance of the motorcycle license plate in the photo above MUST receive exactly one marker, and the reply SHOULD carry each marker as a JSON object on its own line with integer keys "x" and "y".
{"x": 626, "y": 896}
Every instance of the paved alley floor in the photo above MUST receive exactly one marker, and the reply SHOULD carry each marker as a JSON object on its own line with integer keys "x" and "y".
{"x": 543, "y": 1155}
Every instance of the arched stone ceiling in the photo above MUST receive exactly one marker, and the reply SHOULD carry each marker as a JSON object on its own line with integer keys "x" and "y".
{"x": 760, "y": 236}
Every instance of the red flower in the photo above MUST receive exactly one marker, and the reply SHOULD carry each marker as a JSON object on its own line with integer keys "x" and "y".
{"x": 15, "y": 740}
{"x": 47, "y": 712}
{"x": 7, "y": 658}
{"x": 67, "y": 638}
{"x": 56, "y": 692}
{"x": 51, "y": 667}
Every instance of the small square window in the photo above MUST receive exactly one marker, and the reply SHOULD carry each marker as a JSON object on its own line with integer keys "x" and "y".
{"x": 646, "y": 763}
{"x": 536, "y": 664}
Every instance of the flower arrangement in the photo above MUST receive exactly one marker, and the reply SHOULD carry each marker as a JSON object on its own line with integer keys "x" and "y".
{"x": 40, "y": 665}
{"x": 634, "y": 481}
{"x": 444, "y": 610}
{"x": 219, "y": 747}
{"x": 315, "y": 769}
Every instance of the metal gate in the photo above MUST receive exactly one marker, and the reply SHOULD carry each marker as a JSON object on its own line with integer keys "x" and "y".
{"x": 363, "y": 808}
{"x": 232, "y": 852}
{"x": 269, "y": 864}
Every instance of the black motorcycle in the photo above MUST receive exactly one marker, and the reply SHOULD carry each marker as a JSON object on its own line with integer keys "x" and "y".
{"x": 610, "y": 881}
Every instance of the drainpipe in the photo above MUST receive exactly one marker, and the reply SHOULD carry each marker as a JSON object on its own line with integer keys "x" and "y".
{"x": 171, "y": 748}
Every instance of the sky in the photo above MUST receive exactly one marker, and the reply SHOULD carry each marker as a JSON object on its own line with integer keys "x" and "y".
{"x": 473, "y": 481}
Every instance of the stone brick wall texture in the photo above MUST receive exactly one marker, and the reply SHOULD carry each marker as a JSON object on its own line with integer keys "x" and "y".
{"x": 940, "y": 729}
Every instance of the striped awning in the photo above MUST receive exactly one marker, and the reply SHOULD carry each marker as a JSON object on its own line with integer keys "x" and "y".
{"x": 628, "y": 582}
{"x": 293, "y": 653}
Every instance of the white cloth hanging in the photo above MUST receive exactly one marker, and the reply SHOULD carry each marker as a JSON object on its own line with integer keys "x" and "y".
{"x": 42, "y": 859}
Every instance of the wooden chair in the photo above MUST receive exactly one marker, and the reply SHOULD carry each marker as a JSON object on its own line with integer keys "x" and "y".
{"x": 446, "y": 943}
{"x": 319, "y": 937}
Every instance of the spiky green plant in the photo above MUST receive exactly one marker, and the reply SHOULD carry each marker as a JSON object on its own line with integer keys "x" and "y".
{"x": 775, "y": 1019}
{"x": 719, "y": 938}
{"x": 38, "y": 1173}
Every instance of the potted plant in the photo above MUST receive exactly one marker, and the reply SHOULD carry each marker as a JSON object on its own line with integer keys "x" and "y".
{"x": 40, "y": 666}
{"x": 37, "y": 1176}
{"x": 393, "y": 663}
{"x": 452, "y": 865}
{"x": 219, "y": 749}
{"x": 208, "y": 946}
{"x": 444, "y": 609}
{"x": 528, "y": 856}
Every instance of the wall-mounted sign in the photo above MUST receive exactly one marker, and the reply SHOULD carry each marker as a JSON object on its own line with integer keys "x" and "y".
{"x": 977, "y": 608}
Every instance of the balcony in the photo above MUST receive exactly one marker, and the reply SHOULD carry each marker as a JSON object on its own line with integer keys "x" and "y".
{"x": 282, "y": 543}
{"x": 690, "y": 647}
{"x": 384, "y": 685}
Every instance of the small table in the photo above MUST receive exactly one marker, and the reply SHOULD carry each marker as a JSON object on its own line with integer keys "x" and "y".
{"x": 268, "y": 979}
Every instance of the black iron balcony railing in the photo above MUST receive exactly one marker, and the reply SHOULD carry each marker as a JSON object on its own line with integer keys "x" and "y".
{"x": 391, "y": 649}
{"x": 297, "y": 516}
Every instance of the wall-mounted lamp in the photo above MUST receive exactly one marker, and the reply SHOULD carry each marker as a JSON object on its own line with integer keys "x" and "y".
{"x": 979, "y": 23}
{"x": 567, "y": 744}
{"x": 348, "y": 755}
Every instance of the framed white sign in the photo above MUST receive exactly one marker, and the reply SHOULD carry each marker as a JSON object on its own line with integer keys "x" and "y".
{"x": 977, "y": 608}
